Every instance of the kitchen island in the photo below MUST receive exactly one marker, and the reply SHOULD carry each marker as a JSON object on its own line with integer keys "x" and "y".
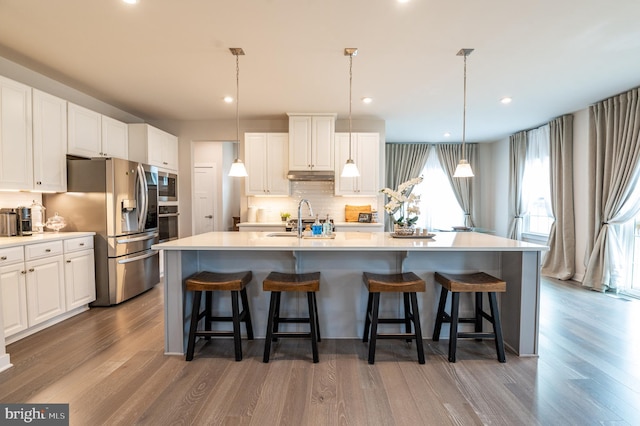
{"x": 342, "y": 298}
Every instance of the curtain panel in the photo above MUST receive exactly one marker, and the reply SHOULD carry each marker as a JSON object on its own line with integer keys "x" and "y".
{"x": 517, "y": 209}
{"x": 614, "y": 155}
{"x": 403, "y": 161}
{"x": 559, "y": 261}
{"x": 449, "y": 156}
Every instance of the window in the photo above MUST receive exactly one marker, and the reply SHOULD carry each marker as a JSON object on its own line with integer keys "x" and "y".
{"x": 536, "y": 185}
{"x": 439, "y": 208}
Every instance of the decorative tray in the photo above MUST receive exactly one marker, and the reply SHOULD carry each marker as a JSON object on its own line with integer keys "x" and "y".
{"x": 394, "y": 235}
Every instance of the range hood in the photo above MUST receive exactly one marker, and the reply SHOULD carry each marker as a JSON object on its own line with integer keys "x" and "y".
{"x": 311, "y": 175}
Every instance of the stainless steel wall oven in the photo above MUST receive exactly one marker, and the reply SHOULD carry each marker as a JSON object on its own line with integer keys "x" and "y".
{"x": 168, "y": 222}
{"x": 167, "y": 186}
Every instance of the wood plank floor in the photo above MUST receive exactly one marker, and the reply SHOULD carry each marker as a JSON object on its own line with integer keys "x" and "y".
{"x": 108, "y": 364}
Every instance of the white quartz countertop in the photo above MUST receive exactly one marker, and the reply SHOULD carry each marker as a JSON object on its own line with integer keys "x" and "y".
{"x": 348, "y": 241}
{"x": 263, "y": 224}
{"x": 40, "y": 238}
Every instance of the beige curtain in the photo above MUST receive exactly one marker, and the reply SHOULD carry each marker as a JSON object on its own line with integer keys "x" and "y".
{"x": 559, "y": 261}
{"x": 449, "y": 155}
{"x": 614, "y": 154}
{"x": 403, "y": 161}
{"x": 517, "y": 209}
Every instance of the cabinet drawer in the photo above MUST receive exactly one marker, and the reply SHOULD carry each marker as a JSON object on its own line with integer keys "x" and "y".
{"x": 11, "y": 255}
{"x": 76, "y": 244}
{"x": 36, "y": 251}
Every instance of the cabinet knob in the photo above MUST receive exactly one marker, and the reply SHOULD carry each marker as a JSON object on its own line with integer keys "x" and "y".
{"x": 48, "y": 250}
{"x": 38, "y": 183}
{"x": 68, "y": 261}
{"x": 165, "y": 163}
{"x": 3, "y": 258}
{"x": 81, "y": 244}
{"x": 31, "y": 270}
{"x": 23, "y": 272}
{"x": 209, "y": 216}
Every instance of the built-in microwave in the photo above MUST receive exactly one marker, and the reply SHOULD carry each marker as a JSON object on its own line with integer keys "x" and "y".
{"x": 167, "y": 186}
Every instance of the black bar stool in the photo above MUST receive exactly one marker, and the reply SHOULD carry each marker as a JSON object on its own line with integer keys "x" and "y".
{"x": 208, "y": 282}
{"x": 477, "y": 283}
{"x": 407, "y": 283}
{"x": 276, "y": 283}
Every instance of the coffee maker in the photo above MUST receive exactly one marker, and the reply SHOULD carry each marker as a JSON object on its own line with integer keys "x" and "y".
{"x": 24, "y": 221}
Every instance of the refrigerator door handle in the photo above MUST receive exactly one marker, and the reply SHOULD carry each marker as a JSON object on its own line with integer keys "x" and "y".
{"x": 135, "y": 259}
{"x": 134, "y": 239}
{"x": 144, "y": 201}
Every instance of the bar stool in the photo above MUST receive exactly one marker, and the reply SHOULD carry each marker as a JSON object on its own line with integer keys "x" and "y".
{"x": 208, "y": 282}
{"x": 406, "y": 283}
{"x": 276, "y": 283}
{"x": 477, "y": 283}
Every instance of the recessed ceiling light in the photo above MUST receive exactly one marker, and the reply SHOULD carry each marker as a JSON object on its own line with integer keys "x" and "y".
{"x": 447, "y": 135}
{"x": 367, "y": 100}
{"x": 130, "y": 1}
{"x": 506, "y": 100}
{"x": 228, "y": 99}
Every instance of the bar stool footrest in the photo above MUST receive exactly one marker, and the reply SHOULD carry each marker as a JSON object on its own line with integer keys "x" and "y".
{"x": 401, "y": 336}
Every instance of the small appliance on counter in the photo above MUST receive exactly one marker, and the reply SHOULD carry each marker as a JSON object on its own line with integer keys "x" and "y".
{"x": 15, "y": 222}
{"x": 25, "y": 223}
{"x": 8, "y": 223}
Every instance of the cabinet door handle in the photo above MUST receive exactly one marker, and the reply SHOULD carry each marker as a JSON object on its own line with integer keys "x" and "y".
{"x": 81, "y": 244}
{"x": 209, "y": 216}
{"x": 31, "y": 270}
{"x": 3, "y": 258}
{"x": 68, "y": 261}
{"x": 48, "y": 250}
{"x": 23, "y": 272}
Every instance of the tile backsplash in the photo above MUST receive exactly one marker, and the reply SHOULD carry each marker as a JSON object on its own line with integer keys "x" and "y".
{"x": 18, "y": 199}
{"x": 321, "y": 196}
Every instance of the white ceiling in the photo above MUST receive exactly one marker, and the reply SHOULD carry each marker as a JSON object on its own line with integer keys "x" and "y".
{"x": 170, "y": 59}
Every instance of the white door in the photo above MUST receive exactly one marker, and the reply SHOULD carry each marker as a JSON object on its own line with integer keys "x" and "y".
{"x": 204, "y": 184}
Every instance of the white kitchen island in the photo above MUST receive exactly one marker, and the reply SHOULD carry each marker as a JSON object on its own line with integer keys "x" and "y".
{"x": 342, "y": 298}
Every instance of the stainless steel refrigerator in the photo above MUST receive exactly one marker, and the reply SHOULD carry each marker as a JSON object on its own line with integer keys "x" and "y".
{"x": 118, "y": 200}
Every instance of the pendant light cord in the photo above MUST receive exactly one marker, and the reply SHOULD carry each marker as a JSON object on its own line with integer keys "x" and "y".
{"x": 237, "y": 104}
{"x": 350, "y": 100}
{"x": 464, "y": 109}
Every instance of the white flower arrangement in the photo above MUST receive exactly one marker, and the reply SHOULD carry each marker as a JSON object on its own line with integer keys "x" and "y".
{"x": 403, "y": 201}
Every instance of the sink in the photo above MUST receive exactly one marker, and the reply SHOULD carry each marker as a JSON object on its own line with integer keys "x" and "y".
{"x": 282, "y": 234}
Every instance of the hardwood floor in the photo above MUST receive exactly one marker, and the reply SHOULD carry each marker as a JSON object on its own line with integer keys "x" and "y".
{"x": 108, "y": 364}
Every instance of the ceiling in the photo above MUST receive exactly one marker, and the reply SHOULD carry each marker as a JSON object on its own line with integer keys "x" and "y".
{"x": 170, "y": 59}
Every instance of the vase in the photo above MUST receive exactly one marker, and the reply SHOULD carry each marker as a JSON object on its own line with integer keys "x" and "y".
{"x": 404, "y": 229}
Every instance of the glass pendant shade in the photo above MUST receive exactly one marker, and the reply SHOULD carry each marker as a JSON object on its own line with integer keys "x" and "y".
{"x": 238, "y": 169}
{"x": 350, "y": 169}
{"x": 463, "y": 169}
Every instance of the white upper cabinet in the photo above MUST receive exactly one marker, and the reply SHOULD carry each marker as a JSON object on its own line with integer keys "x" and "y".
{"x": 49, "y": 142}
{"x": 311, "y": 141}
{"x": 265, "y": 159}
{"x": 93, "y": 135}
{"x": 115, "y": 138}
{"x": 16, "y": 137}
{"x": 153, "y": 146}
{"x": 365, "y": 152}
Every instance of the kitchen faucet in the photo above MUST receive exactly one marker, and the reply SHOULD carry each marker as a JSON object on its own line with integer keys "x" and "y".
{"x": 300, "y": 215}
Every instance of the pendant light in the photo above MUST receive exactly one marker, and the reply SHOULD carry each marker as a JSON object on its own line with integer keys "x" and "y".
{"x": 237, "y": 168}
{"x": 464, "y": 168}
{"x": 350, "y": 169}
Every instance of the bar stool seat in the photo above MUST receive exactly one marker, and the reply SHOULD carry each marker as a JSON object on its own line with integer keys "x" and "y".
{"x": 407, "y": 283}
{"x": 278, "y": 282}
{"x": 477, "y": 283}
{"x": 208, "y": 282}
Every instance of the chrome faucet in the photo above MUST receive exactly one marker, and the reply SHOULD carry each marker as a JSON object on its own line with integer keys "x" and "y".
{"x": 300, "y": 215}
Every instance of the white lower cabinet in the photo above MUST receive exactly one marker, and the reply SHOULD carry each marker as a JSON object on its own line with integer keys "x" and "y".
{"x": 79, "y": 272}
{"x": 42, "y": 283}
{"x": 13, "y": 293}
{"x": 45, "y": 289}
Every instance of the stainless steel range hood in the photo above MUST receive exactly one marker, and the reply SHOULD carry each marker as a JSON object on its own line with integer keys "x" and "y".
{"x": 311, "y": 175}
